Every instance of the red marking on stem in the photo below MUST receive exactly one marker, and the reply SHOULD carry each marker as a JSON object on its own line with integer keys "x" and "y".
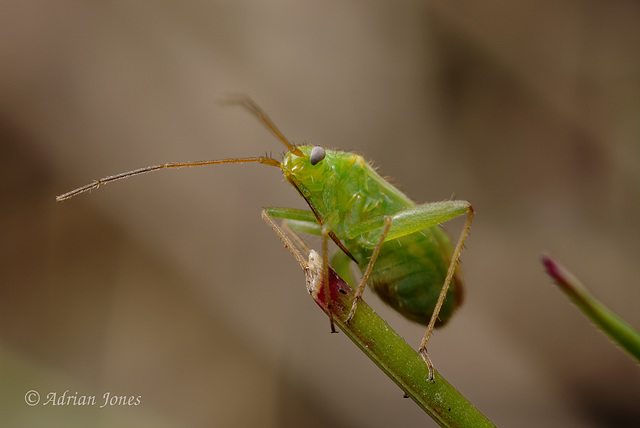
{"x": 340, "y": 292}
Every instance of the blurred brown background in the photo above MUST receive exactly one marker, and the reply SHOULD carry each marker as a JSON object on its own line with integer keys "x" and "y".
{"x": 171, "y": 287}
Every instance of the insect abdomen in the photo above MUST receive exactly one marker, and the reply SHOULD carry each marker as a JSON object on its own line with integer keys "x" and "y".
{"x": 410, "y": 272}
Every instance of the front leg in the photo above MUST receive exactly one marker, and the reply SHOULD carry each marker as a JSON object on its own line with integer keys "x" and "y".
{"x": 305, "y": 221}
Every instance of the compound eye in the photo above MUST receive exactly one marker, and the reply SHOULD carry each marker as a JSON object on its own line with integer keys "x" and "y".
{"x": 317, "y": 154}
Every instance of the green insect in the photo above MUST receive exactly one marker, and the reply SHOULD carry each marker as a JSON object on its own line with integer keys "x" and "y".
{"x": 401, "y": 251}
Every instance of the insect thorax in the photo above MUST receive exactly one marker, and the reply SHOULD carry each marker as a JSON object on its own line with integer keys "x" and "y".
{"x": 342, "y": 189}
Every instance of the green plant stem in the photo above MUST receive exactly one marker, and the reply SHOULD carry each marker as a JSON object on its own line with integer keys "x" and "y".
{"x": 615, "y": 327}
{"x": 391, "y": 353}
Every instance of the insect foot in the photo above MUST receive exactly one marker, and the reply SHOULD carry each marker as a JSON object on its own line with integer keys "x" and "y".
{"x": 353, "y": 309}
{"x": 425, "y": 357}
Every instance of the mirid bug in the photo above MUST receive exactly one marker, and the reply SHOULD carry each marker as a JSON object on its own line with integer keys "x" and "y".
{"x": 399, "y": 247}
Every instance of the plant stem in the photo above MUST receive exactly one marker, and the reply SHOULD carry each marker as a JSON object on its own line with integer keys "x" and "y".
{"x": 380, "y": 343}
{"x": 615, "y": 327}
{"x": 391, "y": 353}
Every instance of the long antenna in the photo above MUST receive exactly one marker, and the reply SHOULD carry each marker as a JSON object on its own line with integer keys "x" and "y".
{"x": 97, "y": 183}
{"x": 254, "y": 109}
{"x": 241, "y": 100}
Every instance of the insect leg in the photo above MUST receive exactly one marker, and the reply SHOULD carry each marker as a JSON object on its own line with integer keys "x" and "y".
{"x": 325, "y": 275}
{"x": 372, "y": 261}
{"x": 443, "y": 292}
{"x": 293, "y": 221}
{"x": 415, "y": 219}
{"x": 286, "y": 238}
{"x": 295, "y": 237}
{"x": 294, "y": 214}
{"x": 305, "y": 221}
